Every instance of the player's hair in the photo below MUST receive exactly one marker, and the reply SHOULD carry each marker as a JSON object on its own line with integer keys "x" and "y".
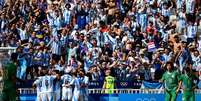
{"x": 187, "y": 69}
{"x": 170, "y": 63}
{"x": 14, "y": 57}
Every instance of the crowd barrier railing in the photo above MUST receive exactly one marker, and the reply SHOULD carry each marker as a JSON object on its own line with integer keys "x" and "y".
{"x": 115, "y": 91}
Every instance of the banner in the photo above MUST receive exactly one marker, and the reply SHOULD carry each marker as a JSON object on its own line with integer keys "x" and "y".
{"x": 94, "y": 84}
{"x": 151, "y": 85}
{"x": 119, "y": 84}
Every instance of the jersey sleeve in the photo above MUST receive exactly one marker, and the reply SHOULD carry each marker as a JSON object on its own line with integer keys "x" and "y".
{"x": 62, "y": 77}
{"x": 72, "y": 82}
{"x": 37, "y": 81}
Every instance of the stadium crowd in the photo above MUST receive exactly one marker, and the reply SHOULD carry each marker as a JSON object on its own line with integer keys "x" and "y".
{"x": 132, "y": 38}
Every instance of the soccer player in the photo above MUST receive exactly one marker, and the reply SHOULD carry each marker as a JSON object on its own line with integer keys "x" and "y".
{"x": 188, "y": 79}
{"x": 66, "y": 89}
{"x": 76, "y": 84}
{"x": 38, "y": 85}
{"x": 84, "y": 81}
{"x": 171, "y": 78}
{"x": 9, "y": 79}
{"x": 48, "y": 87}
{"x": 57, "y": 86}
{"x": 109, "y": 83}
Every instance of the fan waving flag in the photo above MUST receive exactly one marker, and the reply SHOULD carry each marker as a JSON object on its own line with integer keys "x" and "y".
{"x": 151, "y": 47}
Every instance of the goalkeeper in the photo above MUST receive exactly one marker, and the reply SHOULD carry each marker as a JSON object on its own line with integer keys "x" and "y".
{"x": 9, "y": 79}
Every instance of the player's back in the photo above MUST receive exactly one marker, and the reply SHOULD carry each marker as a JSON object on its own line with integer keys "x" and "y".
{"x": 47, "y": 83}
{"x": 38, "y": 84}
{"x": 84, "y": 84}
{"x": 76, "y": 84}
{"x": 66, "y": 79}
{"x": 66, "y": 90}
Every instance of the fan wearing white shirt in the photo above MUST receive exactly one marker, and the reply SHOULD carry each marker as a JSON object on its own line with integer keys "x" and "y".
{"x": 165, "y": 10}
{"x": 191, "y": 32}
{"x": 190, "y": 6}
{"x": 67, "y": 14}
{"x": 196, "y": 59}
{"x": 66, "y": 89}
{"x": 179, "y": 4}
{"x": 190, "y": 10}
{"x": 22, "y": 32}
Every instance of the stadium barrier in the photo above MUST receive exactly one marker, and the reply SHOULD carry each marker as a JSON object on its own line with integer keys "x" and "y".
{"x": 29, "y": 94}
{"x": 97, "y": 84}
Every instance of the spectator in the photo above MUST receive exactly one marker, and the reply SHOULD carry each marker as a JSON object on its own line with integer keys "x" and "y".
{"x": 109, "y": 83}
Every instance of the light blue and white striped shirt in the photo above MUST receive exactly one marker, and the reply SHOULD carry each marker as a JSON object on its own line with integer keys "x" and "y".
{"x": 67, "y": 16}
{"x": 190, "y": 6}
{"x": 191, "y": 31}
{"x": 55, "y": 46}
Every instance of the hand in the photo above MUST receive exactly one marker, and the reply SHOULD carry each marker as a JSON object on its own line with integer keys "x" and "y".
{"x": 177, "y": 91}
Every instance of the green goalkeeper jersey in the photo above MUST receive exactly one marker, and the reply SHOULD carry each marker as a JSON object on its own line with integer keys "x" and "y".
{"x": 9, "y": 71}
{"x": 171, "y": 80}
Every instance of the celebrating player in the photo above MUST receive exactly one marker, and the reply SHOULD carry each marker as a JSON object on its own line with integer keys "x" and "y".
{"x": 76, "y": 84}
{"x": 57, "y": 85}
{"x": 84, "y": 80}
{"x": 47, "y": 86}
{"x": 66, "y": 89}
{"x": 38, "y": 85}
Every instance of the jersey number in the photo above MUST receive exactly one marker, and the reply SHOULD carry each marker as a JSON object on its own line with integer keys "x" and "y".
{"x": 46, "y": 83}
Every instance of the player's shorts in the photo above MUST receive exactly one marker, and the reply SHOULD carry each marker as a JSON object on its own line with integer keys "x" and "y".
{"x": 8, "y": 95}
{"x": 38, "y": 97}
{"x": 48, "y": 96}
{"x": 76, "y": 96}
{"x": 43, "y": 97}
{"x": 67, "y": 93}
{"x": 84, "y": 95}
{"x": 57, "y": 95}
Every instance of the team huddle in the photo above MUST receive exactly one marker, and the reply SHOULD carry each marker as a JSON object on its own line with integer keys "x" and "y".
{"x": 66, "y": 87}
